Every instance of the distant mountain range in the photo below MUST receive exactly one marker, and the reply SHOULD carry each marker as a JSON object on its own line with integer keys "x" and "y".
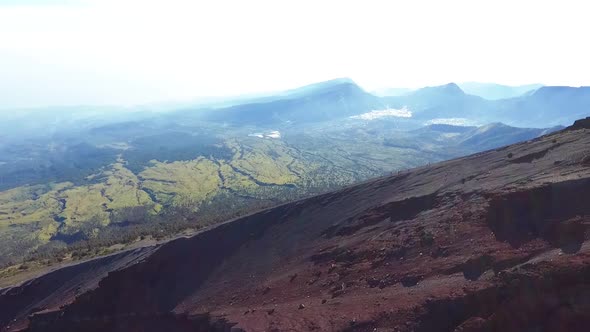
{"x": 490, "y": 91}
{"x": 522, "y": 106}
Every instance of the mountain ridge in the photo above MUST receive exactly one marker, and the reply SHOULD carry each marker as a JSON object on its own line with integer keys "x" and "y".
{"x": 493, "y": 91}
{"x": 329, "y": 100}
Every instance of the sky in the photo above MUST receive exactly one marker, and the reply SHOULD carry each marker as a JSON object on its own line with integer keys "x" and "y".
{"x": 127, "y": 52}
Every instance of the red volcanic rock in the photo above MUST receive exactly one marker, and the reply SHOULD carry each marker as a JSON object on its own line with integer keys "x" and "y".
{"x": 481, "y": 243}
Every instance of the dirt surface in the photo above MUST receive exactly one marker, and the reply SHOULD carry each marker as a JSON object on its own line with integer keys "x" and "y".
{"x": 496, "y": 241}
{"x": 36, "y": 271}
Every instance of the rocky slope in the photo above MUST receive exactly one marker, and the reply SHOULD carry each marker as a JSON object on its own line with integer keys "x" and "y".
{"x": 496, "y": 241}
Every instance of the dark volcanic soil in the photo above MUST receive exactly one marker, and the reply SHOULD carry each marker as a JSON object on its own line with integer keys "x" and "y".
{"x": 492, "y": 242}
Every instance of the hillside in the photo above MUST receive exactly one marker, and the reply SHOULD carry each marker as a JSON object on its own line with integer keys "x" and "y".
{"x": 489, "y": 242}
{"x": 551, "y": 105}
{"x": 323, "y": 101}
{"x": 495, "y": 135}
{"x": 546, "y": 106}
{"x": 445, "y": 101}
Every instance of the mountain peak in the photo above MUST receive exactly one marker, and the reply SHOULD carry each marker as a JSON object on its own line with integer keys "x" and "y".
{"x": 448, "y": 90}
{"x": 333, "y": 82}
{"x": 494, "y": 91}
{"x": 340, "y": 80}
{"x": 321, "y": 86}
{"x": 492, "y": 126}
{"x": 452, "y": 88}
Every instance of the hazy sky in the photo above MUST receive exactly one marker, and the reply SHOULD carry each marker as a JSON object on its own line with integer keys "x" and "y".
{"x": 126, "y": 52}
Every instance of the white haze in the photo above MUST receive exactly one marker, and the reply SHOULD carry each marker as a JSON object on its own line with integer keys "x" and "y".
{"x": 119, "y": 52}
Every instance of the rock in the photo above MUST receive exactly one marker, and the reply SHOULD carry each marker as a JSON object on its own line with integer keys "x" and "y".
{"x": 580, "y": 124}
{"x": 302, "y": 306}
{"x": 409, "y": 281}
{"x": 473, "y": 268}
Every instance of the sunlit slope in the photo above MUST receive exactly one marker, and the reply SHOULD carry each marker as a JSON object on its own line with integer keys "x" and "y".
{"x": 34, "y": 215}
{"x": 176, "y": 180}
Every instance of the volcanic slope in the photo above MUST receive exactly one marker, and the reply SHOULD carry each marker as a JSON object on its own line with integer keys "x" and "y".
{"x": 496, "y": 241}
